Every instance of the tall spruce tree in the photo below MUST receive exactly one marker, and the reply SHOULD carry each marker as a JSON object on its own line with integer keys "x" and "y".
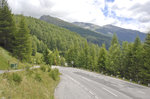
{"x": 93, "y": 59}
{"x": 146, "y": 66}
{"x": 136, "y": 59}
{"x": 7, "y": 26}
{"x": 113, "y": 57}
{"x": 102, "y": 59}
{"x": 124, "y": 64}
{"x": 56, "y": 57}
{"x": 23, "y": 44}
{"x": 46, "y": 56}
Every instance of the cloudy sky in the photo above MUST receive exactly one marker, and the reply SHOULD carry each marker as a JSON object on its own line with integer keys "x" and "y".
{"x": 132, "y": 14}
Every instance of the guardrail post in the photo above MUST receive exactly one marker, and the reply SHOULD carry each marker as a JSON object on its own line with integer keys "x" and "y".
{"x": 123, "y": 78}
{"x": 130, "y": 80}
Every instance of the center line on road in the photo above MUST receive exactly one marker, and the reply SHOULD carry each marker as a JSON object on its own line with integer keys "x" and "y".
{"x": 83, "y": 87}
{"x": 110, "y": 92}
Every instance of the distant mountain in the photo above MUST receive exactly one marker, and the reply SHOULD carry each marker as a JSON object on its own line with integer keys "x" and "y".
{"x": 91, "y": 36}
{"x": 123, "y": 34}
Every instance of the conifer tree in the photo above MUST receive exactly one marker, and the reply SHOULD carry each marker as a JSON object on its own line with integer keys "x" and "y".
{"x": 102, "y": 59}
{"x": 46, "y": 57}
{"x": 56, "y": 57}
{"x": 124, "y": 63}
{"x": 113, "y": 57}
{"x": 136, "y": 59}
{"x": 86, "y": 55}
{"x": 146, "y": 66}
{"x": 7, "y": 26}
{"x": 23, "y": 44}
{"x": 94, "y": 59}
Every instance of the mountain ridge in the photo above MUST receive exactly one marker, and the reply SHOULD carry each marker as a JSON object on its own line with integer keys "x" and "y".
{"x": 122, "y": 33}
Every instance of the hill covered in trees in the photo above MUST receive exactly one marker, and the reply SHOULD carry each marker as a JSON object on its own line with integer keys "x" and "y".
{"x": 91, "y": 36}
{"x": 51, "y": 35}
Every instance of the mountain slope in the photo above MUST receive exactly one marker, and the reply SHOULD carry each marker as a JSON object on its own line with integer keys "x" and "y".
{"x": 52, "y": 35}
{"x": 91, "y": 36}
{"x": 123, "y": 34}
{"x": 6, "y": 59}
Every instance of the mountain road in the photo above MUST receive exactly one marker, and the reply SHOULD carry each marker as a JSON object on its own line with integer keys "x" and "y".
{"x": 82, "y": 84}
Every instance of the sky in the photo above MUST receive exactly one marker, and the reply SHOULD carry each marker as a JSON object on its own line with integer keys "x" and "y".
{"x": 130, "y": 14}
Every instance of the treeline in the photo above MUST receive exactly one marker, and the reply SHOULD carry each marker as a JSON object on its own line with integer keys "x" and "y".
{"x": 16, "y": 36}
{"x": 51, "y": 35}
{"x": 91, "y": 36}
{"x": 15, "y": 39}
{"x": 129, "y": 60}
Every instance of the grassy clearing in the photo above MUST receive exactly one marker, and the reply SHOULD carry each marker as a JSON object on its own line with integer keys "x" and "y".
{"x": 6, "y": 59}
{"x": 30, "y": 84}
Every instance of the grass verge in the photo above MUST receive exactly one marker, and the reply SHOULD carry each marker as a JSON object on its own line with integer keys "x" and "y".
{"x": 6, "y": 59}
{"x": 29, "y": 84}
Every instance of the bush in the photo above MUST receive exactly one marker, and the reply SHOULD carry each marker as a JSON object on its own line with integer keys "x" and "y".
{"x": 38, "y": 77}
{"x": 43, "y": 68}
{"x": 49, "y": 69}
{"x": 27, "y": 68}
{"x": 16, "y": 78}
{"x": 29, "y": 72}
{"x": 54, "y": 74}
{"x": 12, "y": 77}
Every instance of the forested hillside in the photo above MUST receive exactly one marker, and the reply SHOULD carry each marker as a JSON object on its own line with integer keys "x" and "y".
{"x": 91, "y": 36}
{"x": 50, "y": 35}
{"x": 58, "y": 40}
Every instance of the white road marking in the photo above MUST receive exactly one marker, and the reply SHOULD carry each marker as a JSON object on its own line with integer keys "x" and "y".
{"x": 141, "y": 92}
{"x": 83, "y": 87}
{"x": 109, "y": 91}
{"x": 103, "y": 87}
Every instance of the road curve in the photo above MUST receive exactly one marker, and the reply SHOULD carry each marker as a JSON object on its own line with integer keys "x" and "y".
{"x": 81, "y": 84}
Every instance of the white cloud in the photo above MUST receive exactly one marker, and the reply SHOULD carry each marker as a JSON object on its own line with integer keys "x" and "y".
{"x": 89, "y": 11}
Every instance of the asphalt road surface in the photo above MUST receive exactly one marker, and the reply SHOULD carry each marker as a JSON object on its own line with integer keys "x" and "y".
{"x": 81, "y": 84}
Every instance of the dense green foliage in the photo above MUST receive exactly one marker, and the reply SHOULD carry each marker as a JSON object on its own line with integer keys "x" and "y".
{"x": 23, "y": 43}
{"x": 91, "y": 36}
{"x": 51, "y": 35}
{"x": 14, "y": 40}
{"x": 7, "y": 27}
{"x": 131, "y": 60}
{"x": 146, "y": 66}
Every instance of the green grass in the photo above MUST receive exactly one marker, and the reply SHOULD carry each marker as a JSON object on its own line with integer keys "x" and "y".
{"x": 6, "y": 59}
{"x": 35, "y": 84}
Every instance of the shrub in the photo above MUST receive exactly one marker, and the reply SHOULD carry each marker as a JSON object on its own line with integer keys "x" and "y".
{"x": 27, "y": 68}
{"x": 12, "y": 77}
{"x": 16, "y": 78}
{"x": 54, "y": 74}
{"x": 43, "y": 68}
{"x": 5, "y": 75}
{"x": 49, "y": 69}
{"x": 38, "y": 77}
{"x": 29, "y": 72}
